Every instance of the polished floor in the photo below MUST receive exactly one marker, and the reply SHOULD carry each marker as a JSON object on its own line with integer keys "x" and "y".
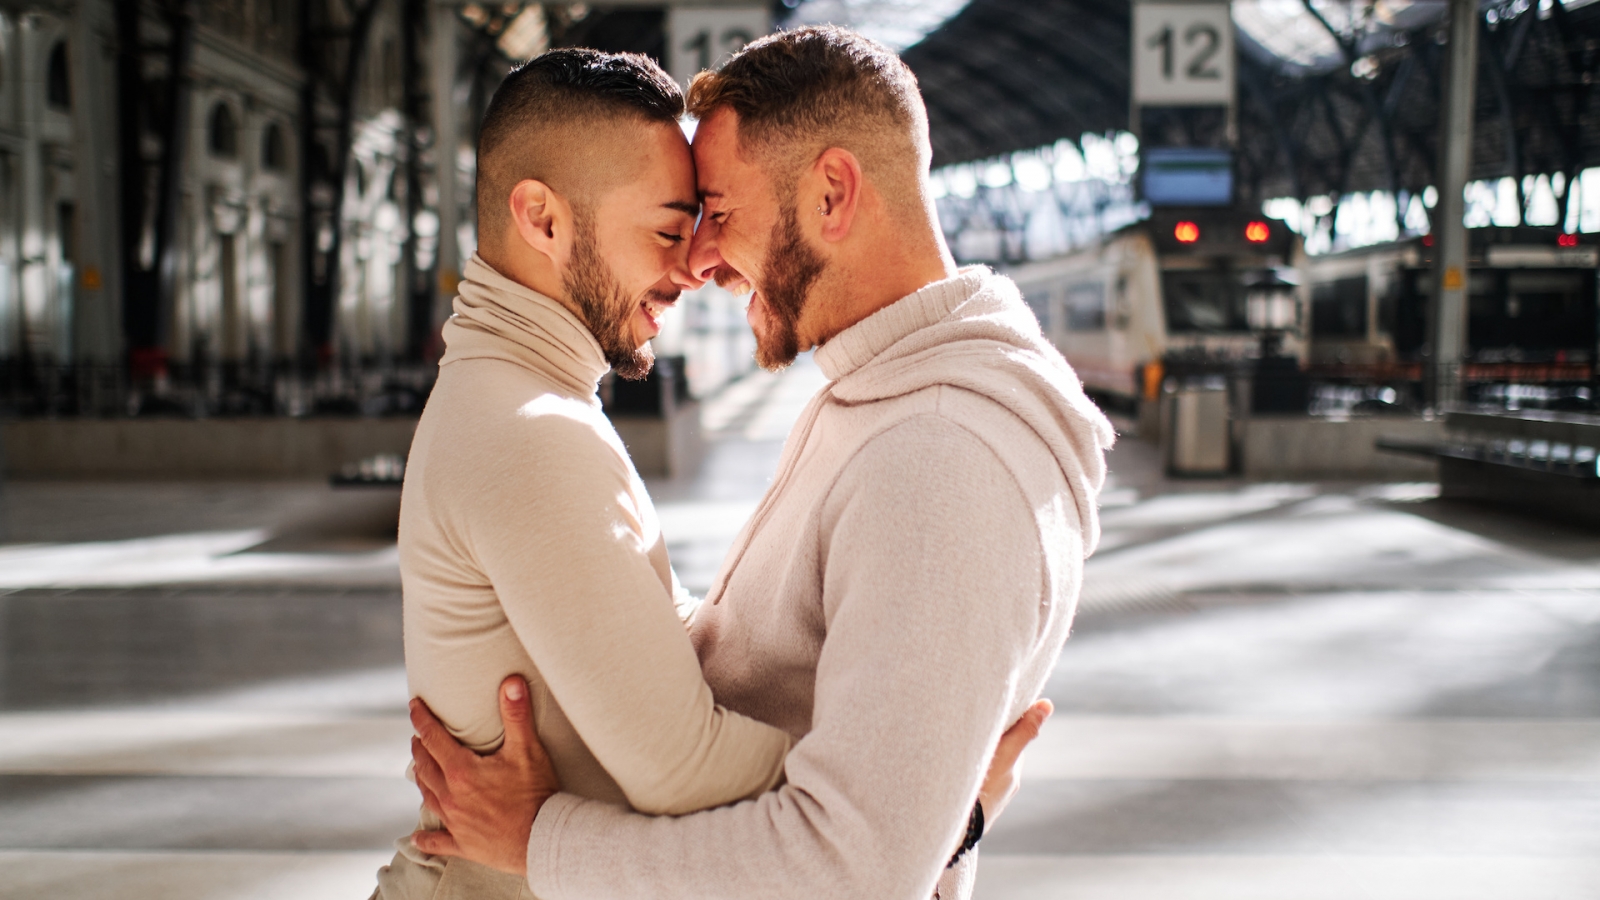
{"x": 1284, "y": 691}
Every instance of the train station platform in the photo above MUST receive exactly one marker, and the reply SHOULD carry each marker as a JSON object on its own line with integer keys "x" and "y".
{"x": 1296, "y": 690}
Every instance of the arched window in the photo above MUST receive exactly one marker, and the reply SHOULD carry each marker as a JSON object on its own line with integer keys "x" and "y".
{"x": 223, "y": 132}
{"x": 57, "y": 80}
{"x": 274, "y": 155}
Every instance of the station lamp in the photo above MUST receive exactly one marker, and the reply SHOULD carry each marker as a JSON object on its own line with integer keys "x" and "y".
{"x": 1567, "y": 240}
{"x": 1270, "y": 304}
{"x": 1257, "y": 232}
{"x": 1186, "y": 232}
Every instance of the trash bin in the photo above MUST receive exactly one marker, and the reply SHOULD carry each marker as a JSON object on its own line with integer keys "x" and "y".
{"x": 1197, "y": 432}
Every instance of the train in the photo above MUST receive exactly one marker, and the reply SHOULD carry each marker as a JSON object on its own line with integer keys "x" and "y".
{"x": 1533, "y": 333}
{"x": 1220, "y": 291}
{"x": 1185, "y": 290}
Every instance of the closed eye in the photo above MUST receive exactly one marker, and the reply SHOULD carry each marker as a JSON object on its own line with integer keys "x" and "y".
{"x": 675, "y": 238}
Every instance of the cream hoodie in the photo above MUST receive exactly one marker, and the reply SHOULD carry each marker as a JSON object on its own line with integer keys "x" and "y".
{"x": 528, "y": 544}
{"x": 898, "y": 598}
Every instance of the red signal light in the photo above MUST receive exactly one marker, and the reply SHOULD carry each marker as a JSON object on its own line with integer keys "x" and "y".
{"x": 1257, "y": 232}
{"x": 1427, "y": 240}
{"x": 1186, "y": 232}
{"x": 1567, "y": 240}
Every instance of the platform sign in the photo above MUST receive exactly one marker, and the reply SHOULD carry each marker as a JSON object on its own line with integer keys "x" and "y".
{"x": 1187, "y": 176}
{"x": 1183, "y": 54}
{"x": 700, "y": 38}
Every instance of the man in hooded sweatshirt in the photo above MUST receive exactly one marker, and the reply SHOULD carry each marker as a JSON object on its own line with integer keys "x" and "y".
{"x": 906, "y": 584}
{"x": 528, "y": 544}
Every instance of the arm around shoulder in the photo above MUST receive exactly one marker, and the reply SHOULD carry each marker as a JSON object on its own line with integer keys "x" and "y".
{"x": 563, "y": 542}
{"x": 933, "y": 601}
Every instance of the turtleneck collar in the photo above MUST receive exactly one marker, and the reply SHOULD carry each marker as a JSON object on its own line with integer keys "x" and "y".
{"x": 497, "y": 318}
{"x": 855, "y": 346}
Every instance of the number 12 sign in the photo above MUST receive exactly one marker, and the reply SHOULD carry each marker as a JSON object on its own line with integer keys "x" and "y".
{"x": 1182, "y": 54}
{"x": 704, "y": 37}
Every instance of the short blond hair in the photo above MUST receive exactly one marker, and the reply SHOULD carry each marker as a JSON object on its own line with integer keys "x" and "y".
{"x": 797, "y": 93}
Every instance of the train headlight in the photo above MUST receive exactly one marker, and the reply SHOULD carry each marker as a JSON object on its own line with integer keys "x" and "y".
{"x": 1256, "y": 232}
{"x": 1186, "y": 232}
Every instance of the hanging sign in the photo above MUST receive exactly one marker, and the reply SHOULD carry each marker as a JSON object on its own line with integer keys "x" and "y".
{"x": 700, "y": 38}
{"x": 1183, "y": 54}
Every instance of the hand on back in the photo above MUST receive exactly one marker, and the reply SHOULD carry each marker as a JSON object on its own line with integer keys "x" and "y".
{"x": 487, "y": 803}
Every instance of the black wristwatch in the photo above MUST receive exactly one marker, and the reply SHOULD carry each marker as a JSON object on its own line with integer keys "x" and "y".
{"x": 974, "y": 834}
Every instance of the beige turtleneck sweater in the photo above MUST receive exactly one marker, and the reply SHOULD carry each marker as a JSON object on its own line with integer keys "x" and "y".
{"x": 528, "y": 544}
{"x": 897, "y": 600}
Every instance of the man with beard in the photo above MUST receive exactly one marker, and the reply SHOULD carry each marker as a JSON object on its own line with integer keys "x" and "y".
{"x": 528, "y": 544}
{"x": 904, "y": 588}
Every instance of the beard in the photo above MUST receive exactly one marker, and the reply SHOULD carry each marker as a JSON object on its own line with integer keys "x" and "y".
{"x": 593, "y": 288}
{"x": 791, "y": 269}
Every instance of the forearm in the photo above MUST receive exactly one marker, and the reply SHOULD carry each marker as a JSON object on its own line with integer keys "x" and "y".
{"x": 579, "y": 575}
{"x": 918, "y": 675}
{"x": 879, "y": 793}
{"x": 864, "y": 814}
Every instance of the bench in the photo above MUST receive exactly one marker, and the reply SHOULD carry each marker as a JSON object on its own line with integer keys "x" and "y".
{"x": 1542, "y": 462}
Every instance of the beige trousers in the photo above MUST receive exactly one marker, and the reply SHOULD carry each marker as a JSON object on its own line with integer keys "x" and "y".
{"x": 442, "y": 878}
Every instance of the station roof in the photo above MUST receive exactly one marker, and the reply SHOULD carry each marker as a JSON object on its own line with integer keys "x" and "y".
{"x": 1331, "y": 101}
{"x": 1006, "y": 75}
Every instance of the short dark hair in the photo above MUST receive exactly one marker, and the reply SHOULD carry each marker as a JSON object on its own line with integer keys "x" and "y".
{"x": 576, "y": 82}
{"x": 815, "y": 87}
{"x": 562, "y": 88}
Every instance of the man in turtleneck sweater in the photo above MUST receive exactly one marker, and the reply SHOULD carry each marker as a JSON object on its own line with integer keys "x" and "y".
{"x": 527, "y": 541}
{"x": 904, "y": 588}
{"x": 528, "y": 544}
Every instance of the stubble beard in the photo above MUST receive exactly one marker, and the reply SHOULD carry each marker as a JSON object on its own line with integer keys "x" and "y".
{"x": 593, "y": 287}
{"x": 792, "y": 268}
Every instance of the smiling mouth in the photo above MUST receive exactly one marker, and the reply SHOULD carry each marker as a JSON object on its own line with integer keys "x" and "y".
{"x": 733, "y": 282}
{"x": 654, "y": 306}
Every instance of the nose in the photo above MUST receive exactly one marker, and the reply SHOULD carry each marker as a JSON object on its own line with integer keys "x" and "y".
{"x": 705, "y": 256}
{"x": 682, "y": 274}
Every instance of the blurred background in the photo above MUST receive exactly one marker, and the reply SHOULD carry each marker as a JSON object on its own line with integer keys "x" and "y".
{"x": 1330, "y": 265}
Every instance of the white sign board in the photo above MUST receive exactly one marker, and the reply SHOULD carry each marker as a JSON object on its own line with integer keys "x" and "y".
{"x": 1183, "y": 54}
{"x": 700, "y": 38}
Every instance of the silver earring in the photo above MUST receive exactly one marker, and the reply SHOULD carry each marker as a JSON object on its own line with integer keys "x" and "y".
{"x": 820, "y": 210}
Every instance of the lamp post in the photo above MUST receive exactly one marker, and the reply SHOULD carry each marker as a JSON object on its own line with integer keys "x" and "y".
{"x": 1447, "y": 313}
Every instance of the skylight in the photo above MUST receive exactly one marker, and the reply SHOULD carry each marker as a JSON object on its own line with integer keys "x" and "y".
{"x": 896, "y": 24}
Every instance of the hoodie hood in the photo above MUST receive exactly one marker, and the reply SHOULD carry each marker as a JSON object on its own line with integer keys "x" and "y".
{"x": 497, "y": 318}
{"x": 974, "y": 332}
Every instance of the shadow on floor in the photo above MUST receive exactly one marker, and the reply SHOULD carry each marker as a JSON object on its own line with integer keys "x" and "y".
{"x": 87, "y": 648}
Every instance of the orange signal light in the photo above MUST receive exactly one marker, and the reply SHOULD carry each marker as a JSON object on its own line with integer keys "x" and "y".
{"x": 1257, "y": 232}
{"x": 1186, "y": 232}
{"x": 1567, "y": 240}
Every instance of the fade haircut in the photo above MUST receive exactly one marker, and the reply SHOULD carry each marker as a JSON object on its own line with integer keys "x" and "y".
{"x": 798, "y": 93}
{"x": 540, "y": 118}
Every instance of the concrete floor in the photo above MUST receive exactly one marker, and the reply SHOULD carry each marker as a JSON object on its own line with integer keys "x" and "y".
{"x": 1273, "y": 690}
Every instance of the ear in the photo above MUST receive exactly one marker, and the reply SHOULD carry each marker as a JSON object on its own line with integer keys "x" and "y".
{"x": 543, "y": 220}
{"x": 837, "y": 174}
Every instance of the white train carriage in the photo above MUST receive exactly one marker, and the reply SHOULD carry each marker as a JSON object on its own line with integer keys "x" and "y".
{"x": 1181, "y": 289}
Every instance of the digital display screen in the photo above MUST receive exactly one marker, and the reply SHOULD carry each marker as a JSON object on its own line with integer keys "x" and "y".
{"x": 1187, "y": 176}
